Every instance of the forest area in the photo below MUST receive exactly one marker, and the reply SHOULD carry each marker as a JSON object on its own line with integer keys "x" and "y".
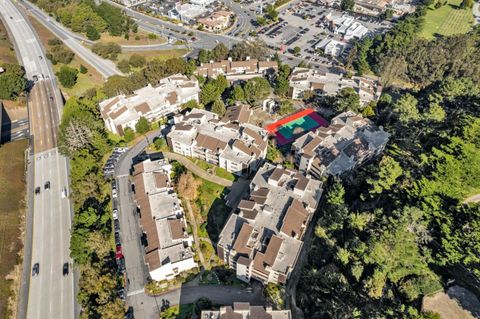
{"x": 392, "y": 231}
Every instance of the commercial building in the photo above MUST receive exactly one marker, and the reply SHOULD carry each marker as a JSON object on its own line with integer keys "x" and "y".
{"x": 349, "y": 141}
{"x": 331, "y": 47}
{"x": 168, "y": 249}
{"x": 237, "y": 70}
{"x": 217, "y": 21}
{"x": 186, "y": 12}
{"x": 150, "y": 102}
{"x": 344, "y": 24}
{"x": 243, "y": 310}
{"x": 230, "y": 142}
{"x": 324, "y": 83}
{"x": 264, "y": 239}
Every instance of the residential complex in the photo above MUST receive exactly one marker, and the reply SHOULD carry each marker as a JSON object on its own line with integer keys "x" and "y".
{"x": 264, "y": 239}
{"x": 349, "y": 141}
{"x": 331, "y": 47}
{"x": 150, "y": 102}
{"x": 346, "y": 25}
{"x": 237, "y": 70}
{"x": 324, "y": 83}
{"x": 217, "y": 21}
{"x": 243, "y": 310}
{"x": 168, "y": 250}
{"x": 230, "y": 142}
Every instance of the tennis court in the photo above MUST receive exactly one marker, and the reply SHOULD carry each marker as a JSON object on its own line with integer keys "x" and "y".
{"x": 291, "y": 127}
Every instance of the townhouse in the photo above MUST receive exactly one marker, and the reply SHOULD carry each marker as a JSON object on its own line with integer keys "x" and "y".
{"x": 264, "y": 239}
{"x": 229, "y": 142}
{"x": 349, "y": 141}
{"x": 323, "y": 83}
{"x": 237, "y": 70}
{"x": 168, "y": 247}
{"x": 243, "y": 310}
{"x": 150, "y": 102}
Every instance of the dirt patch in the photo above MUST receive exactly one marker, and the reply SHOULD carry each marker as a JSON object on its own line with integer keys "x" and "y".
{"x": 12, "y": 209}
{"x": 456, "y": 303}
{"x": 14, "y": 110}
{"x": 7, "y": 53}
{"x": 140, "y": 38}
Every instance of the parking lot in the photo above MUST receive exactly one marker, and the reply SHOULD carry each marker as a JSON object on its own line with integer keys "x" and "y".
{"x": 304, "y": 25}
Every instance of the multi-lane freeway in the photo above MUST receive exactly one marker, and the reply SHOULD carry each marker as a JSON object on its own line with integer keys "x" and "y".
{"x": 49, "y": 294}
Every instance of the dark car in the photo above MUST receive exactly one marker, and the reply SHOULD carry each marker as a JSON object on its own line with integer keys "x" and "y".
{"x": 121, "y": 293}
{"x": 47, "y": 185}
{"x": 129, "y": 313}
{"x": 121, "y": 264}
{"x": 35, "y": 269}
{"x": 117, "y": 239}
{"x": 116, "y": 224}
{"x": 37, "y": 190}
{"x": 65, "y": 269}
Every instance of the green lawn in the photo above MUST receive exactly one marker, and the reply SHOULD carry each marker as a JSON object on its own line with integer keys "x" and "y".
{"x": 447, "y": 20}
{"x": 12, "y": 195}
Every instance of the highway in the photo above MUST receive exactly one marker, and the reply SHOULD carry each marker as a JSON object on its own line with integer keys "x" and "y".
{"x": 105, "y": 67}
{"x": 49, "y": 294}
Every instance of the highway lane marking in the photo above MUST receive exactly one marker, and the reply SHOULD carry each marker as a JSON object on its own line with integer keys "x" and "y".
{"x": 136, "y": 292}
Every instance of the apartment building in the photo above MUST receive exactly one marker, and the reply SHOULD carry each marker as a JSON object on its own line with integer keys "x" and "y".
{"x": 324, "y": 83}
{"x": 243, "y": 310}
{"x": 345, "y": 24}
{"x": 237, "y": 70}
{"x": 150, "y": 102}
{"x": 168, "y": 250}
{"x": 264, "y": 239}
{"x": 331, "y": 47}
{"x": 349, "y": 141}
{"x": 229, "y": 142}
{"x": 216, "y": 21}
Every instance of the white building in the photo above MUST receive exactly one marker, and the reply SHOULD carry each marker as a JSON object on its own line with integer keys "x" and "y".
{"x": 186, "y": 12}
{"x": 230, "y": 143}
{"x": 150, "y": 102}
{"x": 331, "y": 47}
{"x": 169, "y": 248}
{"x": 324, "y": 83}
{"x": 349, "y": 141}
{"x": 345, "y": 24}
{"x": 263, "y": 241}
{"x": 243, "y": 310}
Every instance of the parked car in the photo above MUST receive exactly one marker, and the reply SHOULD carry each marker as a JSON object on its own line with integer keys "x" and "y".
{"x": 121, "y": 293}
{"x": 117, "y": 239}
{"x": 114, "y": 193}
{"x": 116, "y": 224}
{"x": 118, "y": 252}
{"x": 115, "y": 214}
{"x": 129, "y": 313}
{"x": 65, "y": 269}
{"x": 121, "y": 264}
{"x": 35, "y": 269}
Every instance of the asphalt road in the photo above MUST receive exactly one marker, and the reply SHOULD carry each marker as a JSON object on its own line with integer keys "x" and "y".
{"x": 105, "y": 67}
{"x": 48, "y": 295}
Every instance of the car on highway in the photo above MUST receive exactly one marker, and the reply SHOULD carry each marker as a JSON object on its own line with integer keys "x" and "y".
{"x": 37, "y": 190}
{"x": 64, "y": 192}
{"x": 35, "y": 269}
{"x": 47, "y": 185}
{"x": 65, "y": 269}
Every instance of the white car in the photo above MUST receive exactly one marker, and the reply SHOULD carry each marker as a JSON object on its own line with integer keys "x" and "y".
{"x": 115, "y": 214}
{"x": 64, "y": 192}
{"x": 114, "y": 193}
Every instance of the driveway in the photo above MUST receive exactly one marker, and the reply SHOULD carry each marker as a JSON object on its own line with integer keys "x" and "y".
{"x": 148, "y": 307}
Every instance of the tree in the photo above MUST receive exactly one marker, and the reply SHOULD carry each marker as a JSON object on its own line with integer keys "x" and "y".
{"x": 406, "y": 108}
{"x": 218, "y": 107}
{"x": 297, "y": 50}
{"x": 210, "y": 92}
{"x": 286, "y": 107}
{"x": 282, "y": 86}
{"x": 388, "y": 172}
{"x": 67, "y": 76}
{"x": 83, "y": 69}
{"x": 435, "y": 112}
{"x": 273, "y": 153}
{"x": 256, "y": 90}
{"x": 466, "y": 4}
{"x": 60, "y": 54}
{"x": 142, "y": 126}
{"x": 137, "y": 60}
{"x": 261, "y": 21}
{"x": 271, "y": 12}
{"x": 128, "y": 134}
{"x": 336, "y": 194}
{"x": 242, "y": 50}
{"x": 369, "y": 110}
{"x": 237, "y": 94}
{"x": 192, "y": 104}
{"x": 108, "y": 50}
{"x": 12, "y": 83}
{"x": 124, "y": 66}
{"x": 92, "y": 33}
{"x": 220, "y": 52}
{"x": 347, "y": 100}
{"x": 204, "y": 56}
{"x": 347, "y": 5}
{"x": 159, "y": 143}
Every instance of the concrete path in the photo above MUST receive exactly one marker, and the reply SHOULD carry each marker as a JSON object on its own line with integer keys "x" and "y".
{"x": 197, "y": 170}
{"x": 473, "y": 199}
